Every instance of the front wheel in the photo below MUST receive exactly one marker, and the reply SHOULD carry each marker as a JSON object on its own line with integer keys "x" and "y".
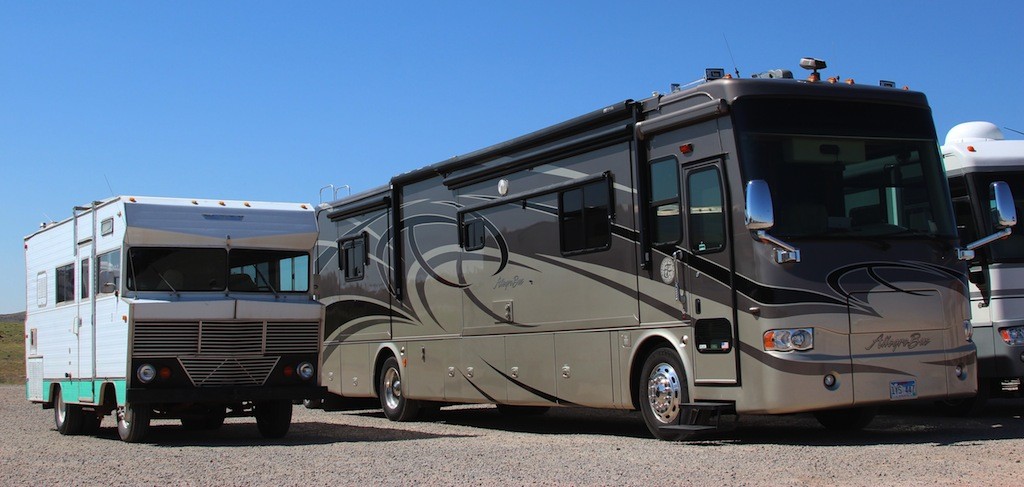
{"x": 133, "y": 422}
{"x": 396, "y": 406}
{"x": 273, "y": 418}
{"x": 662, "y": 392}
{"x": 851, "y": 419}
{"x": 68, "y": 418}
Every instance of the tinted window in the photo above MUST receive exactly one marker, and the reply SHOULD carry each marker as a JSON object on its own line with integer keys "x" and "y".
{"x": 705, "y": 205}
{"x": 584, "y": 218}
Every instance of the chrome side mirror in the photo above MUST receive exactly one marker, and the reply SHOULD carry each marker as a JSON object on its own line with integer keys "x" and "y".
{"x": 758, "y": 214}
{"x": 1005, "y": 214}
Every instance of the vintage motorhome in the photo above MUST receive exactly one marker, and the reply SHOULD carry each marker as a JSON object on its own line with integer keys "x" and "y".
{"x": 172, "y": 308}
{"x": 739, "y": 246}
{"x": 977, "y": 155}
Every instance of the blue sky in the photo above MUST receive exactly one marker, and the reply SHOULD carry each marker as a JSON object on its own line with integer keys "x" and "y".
{"x": 271, "y": 101}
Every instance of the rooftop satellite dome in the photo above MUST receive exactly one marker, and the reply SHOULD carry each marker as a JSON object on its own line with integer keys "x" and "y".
{"x": 973, "y": 132}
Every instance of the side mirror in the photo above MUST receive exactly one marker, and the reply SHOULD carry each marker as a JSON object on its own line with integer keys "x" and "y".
{"x": 1001, "y": 199}
{"x": 759, "y": 214}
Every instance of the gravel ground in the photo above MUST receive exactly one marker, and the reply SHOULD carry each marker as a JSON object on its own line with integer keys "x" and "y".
{"x": 475, "y": 445}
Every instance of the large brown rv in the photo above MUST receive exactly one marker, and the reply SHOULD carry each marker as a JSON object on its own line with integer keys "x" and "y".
{"x": 739, "y": 246}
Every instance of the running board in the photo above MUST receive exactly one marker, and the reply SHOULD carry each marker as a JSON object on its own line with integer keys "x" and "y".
{"x": 701, "y": 416}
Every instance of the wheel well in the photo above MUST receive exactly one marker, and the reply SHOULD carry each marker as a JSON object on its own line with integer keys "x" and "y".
{"x": 636, "y": 367}
{"x": 108, "y": 398}
{"x": 54, "y": 390}
{"x": 378, "y": 364}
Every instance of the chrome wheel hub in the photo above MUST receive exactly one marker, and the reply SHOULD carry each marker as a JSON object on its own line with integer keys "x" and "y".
{"x": 392, "y": 388}
{"x": 664, "y": 393}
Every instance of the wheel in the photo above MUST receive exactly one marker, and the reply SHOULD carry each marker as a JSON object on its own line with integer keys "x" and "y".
{"x": 273, "y": 418}
{"x": 967, "y": 406}
{"x": 516, "y": 411}
{"x": 661, "y": 392}
{"x": 851, "y": 419}
{"x": 133, "y": 422}
{"x": 91, "y": 423}
{"x": 396, "y": 406}
{"x": 68, "y": 418}
{"x": 211, "y": 419}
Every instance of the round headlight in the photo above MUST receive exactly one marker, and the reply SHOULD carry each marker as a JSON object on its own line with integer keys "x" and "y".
{"x": 306, "y": 370}
{"x": 146, "y": 373}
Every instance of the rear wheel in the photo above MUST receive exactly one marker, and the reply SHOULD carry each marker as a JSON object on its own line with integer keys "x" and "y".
{"x": 661, "y": 392}
{"x": 133, "y": 422}
{"x": 68, "y": 418}
{"x": 967, "y": 406}
{"x": 396, "y": 406}
{"x": 851, "y": 419}
{"x": 273, "y": 418}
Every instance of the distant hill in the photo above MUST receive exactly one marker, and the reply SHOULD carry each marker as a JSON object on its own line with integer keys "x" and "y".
{"x": 13, "y": 318}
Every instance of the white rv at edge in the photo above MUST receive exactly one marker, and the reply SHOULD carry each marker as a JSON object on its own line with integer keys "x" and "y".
{"x": 166, "y": 308}
{"x": 976, "y": 154}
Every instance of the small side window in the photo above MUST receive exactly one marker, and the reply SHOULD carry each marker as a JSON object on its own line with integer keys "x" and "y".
{"x": 353, "y": 256}
{"x": 473, "y": 236}
{"x": 86, "y": 282}
{"x": 33, "y": 341}
{"x": 65, "y": 284}
{"x": 584, "y": 215}
{"x": 107, "y": 227}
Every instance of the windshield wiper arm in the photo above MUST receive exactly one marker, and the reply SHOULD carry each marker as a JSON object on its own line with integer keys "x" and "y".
{"x": 265, "y": 280}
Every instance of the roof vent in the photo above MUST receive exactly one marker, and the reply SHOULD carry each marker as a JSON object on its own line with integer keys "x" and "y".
{"x": 973, "y": 132}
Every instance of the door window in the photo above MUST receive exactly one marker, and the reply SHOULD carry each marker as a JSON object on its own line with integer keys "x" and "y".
{"x": 706, "y": 215}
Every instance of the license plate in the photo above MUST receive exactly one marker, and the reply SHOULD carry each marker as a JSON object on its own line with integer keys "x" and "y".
{"x": 902, "y": 390}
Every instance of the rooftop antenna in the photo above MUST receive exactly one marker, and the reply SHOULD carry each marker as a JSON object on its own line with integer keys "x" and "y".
{"x": 734, "y": 66}
{"x": 1014, "y": 130}
{"x": 108, "y": 185}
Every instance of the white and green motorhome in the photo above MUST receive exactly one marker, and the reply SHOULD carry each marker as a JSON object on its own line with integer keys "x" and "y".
{"x": 976, "y": 154}
{"x": 166, "y": 308}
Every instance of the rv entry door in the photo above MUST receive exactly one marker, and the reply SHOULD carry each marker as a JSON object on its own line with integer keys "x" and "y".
{"x": 707, "y": 272}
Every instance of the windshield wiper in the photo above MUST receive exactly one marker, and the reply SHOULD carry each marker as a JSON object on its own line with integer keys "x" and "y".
{"x": 261, "y": 276}
{"x": 162, "y": 278}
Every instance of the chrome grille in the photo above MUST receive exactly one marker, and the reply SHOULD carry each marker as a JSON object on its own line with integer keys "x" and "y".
{"x": 231, "y": 338}
{"x": 166, "y": 339}
{"x": 292, "y": 337}
{"x": 229, "y": 371}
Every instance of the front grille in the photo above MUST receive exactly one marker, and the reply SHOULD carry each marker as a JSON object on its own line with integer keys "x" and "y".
{"x": 230, "y": 371}
{"x": 166, "y": 339}
{"x": 231, "y": 338}
{"x": 292, "y": 338}
{"x": 225, "y": 353}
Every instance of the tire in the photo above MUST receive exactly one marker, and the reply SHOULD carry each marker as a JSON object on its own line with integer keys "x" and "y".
{"x": 211, "y": 419}
{"x": 967, "y": 406}
{"x": 274, "y": 418}
{"x": 68, "y": 418}
{"x": 851, "y": 419}
{"x": 396, "y": 406}
{"x": 661, "y": 391}
{"x": 520, "y": 411}
{"x": 133, "y": 422}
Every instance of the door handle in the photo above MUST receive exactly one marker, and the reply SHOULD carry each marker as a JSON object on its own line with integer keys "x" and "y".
{"x": 677, "y": 256}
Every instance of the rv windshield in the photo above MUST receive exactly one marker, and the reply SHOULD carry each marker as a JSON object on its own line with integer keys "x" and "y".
{"x": 840, "y": 169}
{"x": 241, "y": 270}
{"x": 176, "y": 269}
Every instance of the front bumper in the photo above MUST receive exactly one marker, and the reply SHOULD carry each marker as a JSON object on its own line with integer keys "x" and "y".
{"x": 224, "y": 394}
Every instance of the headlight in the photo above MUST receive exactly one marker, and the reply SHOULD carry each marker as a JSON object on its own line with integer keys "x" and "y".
{"x": 789, "y": 339}
{"x": 1013, "y": 335}
{"x": 306, "y": 370}
{"x": 146, "y": 373}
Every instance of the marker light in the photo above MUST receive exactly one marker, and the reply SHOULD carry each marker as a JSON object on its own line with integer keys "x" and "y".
{"x": 1013, "y": 335}
{"x": 686, "y": 148}
{"x": 165, "y": 373}
{"x": 789, "y": 339}
{"x": 146, "y": 373}
{"x": 289, "y": 370}
{"x": 968, "y": 330}
{"x": 306, "y": 371}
